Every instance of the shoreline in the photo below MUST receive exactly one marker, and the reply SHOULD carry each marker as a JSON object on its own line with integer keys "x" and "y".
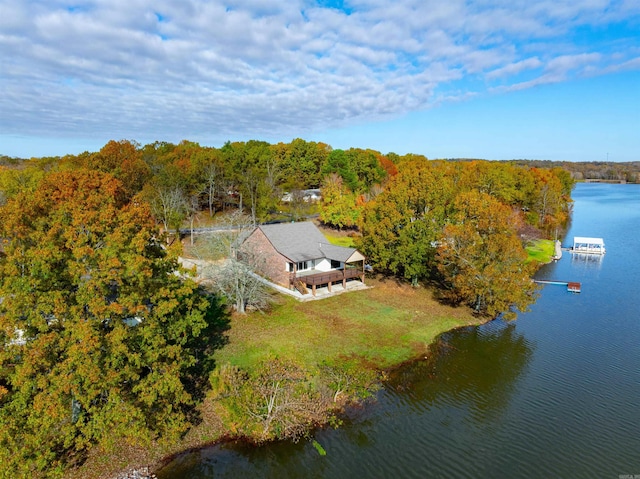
{"x": 342, "y": 412}
{"x": 148, "y": 467}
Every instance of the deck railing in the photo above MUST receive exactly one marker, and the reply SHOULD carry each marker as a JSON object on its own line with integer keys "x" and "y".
{"x": 329, "y": 276}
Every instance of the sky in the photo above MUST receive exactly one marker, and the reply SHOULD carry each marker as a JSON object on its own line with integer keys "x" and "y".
{"x": 494, "y": 79}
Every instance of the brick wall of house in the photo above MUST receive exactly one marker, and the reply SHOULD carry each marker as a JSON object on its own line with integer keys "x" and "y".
{"x": 268, "y": 262}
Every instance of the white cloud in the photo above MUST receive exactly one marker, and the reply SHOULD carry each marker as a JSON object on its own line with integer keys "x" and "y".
{"x": 152, "y": 69}
{"x": 565, "y": 63}
{"x": 515, "y": 68}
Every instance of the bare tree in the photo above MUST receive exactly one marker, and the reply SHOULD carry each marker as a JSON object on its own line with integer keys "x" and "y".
{"x": 225, "y": 242}
{"x": 213, "y": 180}
{"x": 237, "y": 282}
{"x": 298, "y": 204}
{"x": 169, "y": 205}
{"x": 233, "y": 273}
{"x": 277, "y": 400}
{"x": 192, "y": 207}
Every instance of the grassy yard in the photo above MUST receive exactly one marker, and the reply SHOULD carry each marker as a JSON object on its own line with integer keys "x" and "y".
{"x": 380, "y": 327}
{"x": 338, "y": 238}
{"x": 541, "y": 250}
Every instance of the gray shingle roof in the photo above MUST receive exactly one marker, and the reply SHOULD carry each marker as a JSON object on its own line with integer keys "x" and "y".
{"x": 303, "y": 241}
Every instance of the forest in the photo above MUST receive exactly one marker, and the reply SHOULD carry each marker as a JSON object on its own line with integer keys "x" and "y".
{"x": 100, "y": 339}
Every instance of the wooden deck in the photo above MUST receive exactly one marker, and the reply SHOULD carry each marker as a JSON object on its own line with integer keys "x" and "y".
{"x": 328, "y": 277}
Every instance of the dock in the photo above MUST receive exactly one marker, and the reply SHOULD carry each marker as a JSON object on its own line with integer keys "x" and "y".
{"x": 584, "y": 245}
{"x": 572, "y": 286}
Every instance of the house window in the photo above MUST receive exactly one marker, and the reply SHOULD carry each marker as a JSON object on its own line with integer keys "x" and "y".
{"x": 335, "y": 264}
{"x": 301, "y": 266}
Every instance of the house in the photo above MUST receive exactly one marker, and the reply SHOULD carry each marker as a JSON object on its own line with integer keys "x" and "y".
{"x": 297, "y": 255}
{"x": 308, "y": 196}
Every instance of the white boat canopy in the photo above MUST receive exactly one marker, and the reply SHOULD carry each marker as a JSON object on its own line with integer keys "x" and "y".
{"x": 589, "y": 245}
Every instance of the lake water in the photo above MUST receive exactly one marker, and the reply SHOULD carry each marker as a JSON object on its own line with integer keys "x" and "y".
{"x": 555, "y": 393}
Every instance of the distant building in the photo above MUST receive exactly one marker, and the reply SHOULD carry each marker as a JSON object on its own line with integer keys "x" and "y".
{"x": 309, "y": 196}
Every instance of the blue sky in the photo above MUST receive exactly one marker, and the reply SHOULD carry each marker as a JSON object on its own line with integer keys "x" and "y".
{"x": 503, "y": 79}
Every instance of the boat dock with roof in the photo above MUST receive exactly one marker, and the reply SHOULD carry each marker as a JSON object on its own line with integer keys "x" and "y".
{"x": 572, "y": 286}
{"x": 585, "y": 245}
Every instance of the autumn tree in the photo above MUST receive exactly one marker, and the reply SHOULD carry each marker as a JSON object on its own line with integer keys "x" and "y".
{"x": 96, "y": 329}
{"x": 338, "y": 206}
{"x": 300, "y": 163}
{"x": 493, "y": 178}
{"x": 19, "y": 180}
{"x": 388, "y": 166}
{"x": 400, "y": 227}
{"x": 481, "y": 259}
{"x": 122, "y": 159}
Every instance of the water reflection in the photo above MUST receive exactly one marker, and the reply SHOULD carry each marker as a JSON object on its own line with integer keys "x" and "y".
{"x": 478, "y": 366}
{"x": 589, "y": 261}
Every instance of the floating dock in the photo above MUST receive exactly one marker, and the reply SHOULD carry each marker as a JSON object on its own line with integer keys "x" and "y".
{"x": 584, "y": 245}
{"x": 572, "y": 286}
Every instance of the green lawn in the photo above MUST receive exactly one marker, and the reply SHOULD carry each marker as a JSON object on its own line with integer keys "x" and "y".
{"x": 340, "y": 240}
{"x": 541, "y": 251}
{"x": 380, "y": 327}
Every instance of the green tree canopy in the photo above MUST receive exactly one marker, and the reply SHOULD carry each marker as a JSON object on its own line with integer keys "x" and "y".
{"x": 338, "y": 208}
{"x": 96, "y": 329}
{"x": 399, "y": 228}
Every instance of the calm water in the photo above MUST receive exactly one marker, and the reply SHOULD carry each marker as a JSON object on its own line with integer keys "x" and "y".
{"x": 554, "y": 394}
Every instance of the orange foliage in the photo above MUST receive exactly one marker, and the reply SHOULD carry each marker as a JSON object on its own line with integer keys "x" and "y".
{"x": 388, "y": 166}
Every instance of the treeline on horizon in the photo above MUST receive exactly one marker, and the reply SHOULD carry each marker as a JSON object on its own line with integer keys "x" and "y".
{"x": 627, "y": 171}
{"x": 181, "y": 179}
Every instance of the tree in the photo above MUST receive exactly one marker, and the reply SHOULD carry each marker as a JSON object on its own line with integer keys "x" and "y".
{"x": 400, "y": 227}
{"x": 277, "y": 400}
{"x": 481, "y": 258}
{"x": 237, "y": 281}
{"x": 95, "y": 326}
{"x": 122, "y": 159}
{"x": 14, "y": 181}
{"x": 493, "y": 178}
{"x": 338, "y": 207}
{"x": 257, "y": 172}
{"x": 169, "y": 205}
{"x": 367, "y": 167}
{"x": 300, "y": 162}
{"x": 210, "y": 173}
{"x": 547, "y": 204}
{"x": 229, "y": 267}
{"x": 338, "y": 162}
